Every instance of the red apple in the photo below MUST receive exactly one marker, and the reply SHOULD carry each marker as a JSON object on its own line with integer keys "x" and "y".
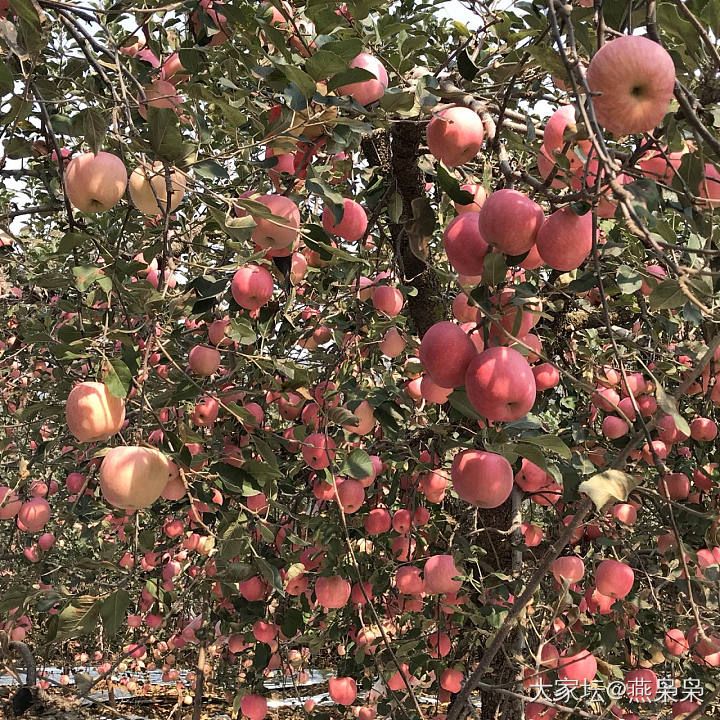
{"x": 634, "y": 79}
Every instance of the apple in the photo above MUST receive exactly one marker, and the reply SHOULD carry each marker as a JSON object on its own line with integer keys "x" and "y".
{"x": 483, "y": 479}
{"x": 510, "y": 220}
{"x": 614, "y": 578}
{"x": 455, "y": 135}
{"x": 500, "y": 384}
{"x": 353, "y": 224}
{"x": 173, "y": 71}
{"x": 252, "y": 287}
{"x": 318, "y": 451}
{"x": 408, "y": 580}
{"x": 368, "y": 91}
{"x": 432, "y": 392}
{"x": 703, "y": 429}
{"x": 204, "y": 360}
{"x": 580, "y": 667}
{"x": 377, "y": 521}
{"x": 277, "y": 234}
{"x": 392, "y": 344}
{"x": 614, "y": 427}
{"x": 159, "y": 94}
{"x": 570, "y": 568}
{"x": 133, "y": 477}
{"x": 464, "y": 244}
{"x": 148, "y": 188}
{"x": 479, "y": 196}
{"x": 95, "y": 183}
{"x": 33, "y": 514}
{"x": 445, "y": 353}
{"x": 632, "y": 80}
{"x": 565, "y": 239}
{"x": 546, "y": 376}
{"x": 93, "y": 413}
{"x": 253, "y": 707}
{"x": 641, "y": 684}
{"x": 332, "y": 592}
{"x": 657, "y": 273}
{"x": 342, "y": 690}
{"x": 676, "y": 643}
{"x": 388, "y": 300}
{"x": 439, "y": 573}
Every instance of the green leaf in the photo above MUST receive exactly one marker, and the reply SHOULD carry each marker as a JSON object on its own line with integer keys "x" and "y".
{"x": 458, "y": 399}
{"x": 6, "y": 79}
{"x": 667, "y": 296}
{"x": 667, "y": 404}
{"x": 397, "y": 100}
{"x": 342, "y": 416}
{"x": 628, "y": 280}
{"x": 358, "y": 464}
{"x": 348, "y": 48}
{"x": 451, "y": 186}
{"x": 118, "y": 378}
{"x": 85, "y": 275}
{"x": 30, "y": 12}
{"x": 113, "y": 611}
{"x": 395, "y": 206}
{"x": 494, "y": 269}
{"x": 348, "y": 77}
{"x": 92, "y": 124}
{"x": 323, "y": 63}
{"x": 164, "y": 135}
{"x": 79, "y": 618}
{"x": 72, "y": 240}
{"x": 304, "y": 83}
{"x": 550, "y": 443}
{"x": 466, "y": 66}
{"x": 241, "y": 332}
{"x": 292, "y": 622}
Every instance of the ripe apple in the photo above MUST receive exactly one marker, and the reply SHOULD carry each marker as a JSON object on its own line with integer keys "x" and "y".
{"x": 353, "y": 224}
{"x": 204, "y": 360}
{"x": 464, "y": 244}
{"x": 93, "y": 413}
{"x": 455, "y": 135}
{"x": 277, "y": 234}
{"x": 614, "y": 578}
{"x": 483, "y": 479}
{"x": 33, "y": 514}
{"x": 546, "y": 376}
{"x": 438, "y": 575}
{"x": 445, "y": 353}
{"x": 510, "y": 220}
{"x": 500, "y": 384}
{"x": 95, "y": 183}
{"x": 565, "y": 239}
{"x": 332, "y": 592}
{"x": 252, "y": 287}
{"x": 388, "y": 300}
{"x": 148, "y": 188}
{"x": 479, "y": 196}
{"x": 634, "y": 79}
{"x": 366, "y": 91}
{"x": 159, "y": 94}
{"x": 342, "y": 690}
{"x": 253, "y": 707}
{"x": 570, "y": 568}
{"x": 133, "y": 477}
